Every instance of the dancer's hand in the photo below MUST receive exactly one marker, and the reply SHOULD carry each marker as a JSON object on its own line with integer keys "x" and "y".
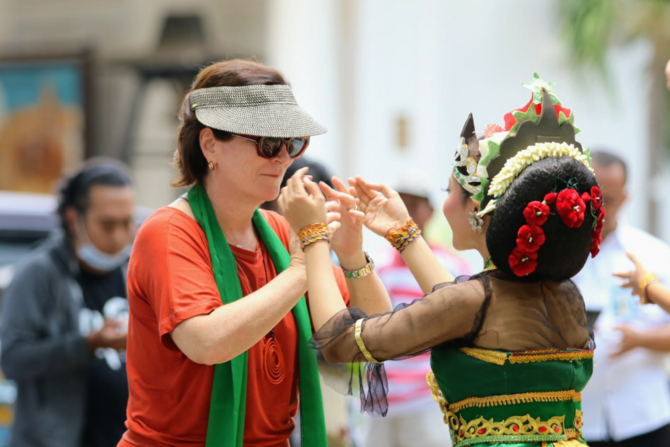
{"x": 347, "y": 242}
{"x": 301, "y": 202}
{"x": 383, "y": 207}
{"x": 632, "y": 278}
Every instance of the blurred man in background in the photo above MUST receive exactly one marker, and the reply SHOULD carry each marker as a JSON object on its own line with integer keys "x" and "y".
{"x": 413, "y": 418}
{"x": 63, "y": 322}
{"x": 627, "y": 401}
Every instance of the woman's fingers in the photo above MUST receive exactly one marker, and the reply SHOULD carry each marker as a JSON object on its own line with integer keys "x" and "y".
{"x": 296, "y": 182}
{"x": 361, "y": 185}
{"x": 339, "y": 185}
{"x": 334, "y": 226}
{"x": 327, "y": 191}
{"x": 333, "y": 216}
{"x": 313, "y": 189}
{"x": 333, "y": 206}
{"x": 623, "y": 275}
{"x": 357, "y": 217}
{"x": 359, "y": 192}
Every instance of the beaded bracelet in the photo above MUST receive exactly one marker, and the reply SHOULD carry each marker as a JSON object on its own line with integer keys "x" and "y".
{"x": 313, "y": 233}
{"x": 401, "y": 237}
{"x": 644, "y": 283}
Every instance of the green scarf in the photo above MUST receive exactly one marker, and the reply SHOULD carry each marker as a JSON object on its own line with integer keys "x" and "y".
{"x": 229, "y": 390}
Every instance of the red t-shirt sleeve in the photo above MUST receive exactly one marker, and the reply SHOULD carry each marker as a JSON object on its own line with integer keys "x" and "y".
{"x": 282, "y": 228}
{"x": 173, "y": 270}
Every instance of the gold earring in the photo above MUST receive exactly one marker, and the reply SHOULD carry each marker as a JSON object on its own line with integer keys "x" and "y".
{"x": 211, "y": 166}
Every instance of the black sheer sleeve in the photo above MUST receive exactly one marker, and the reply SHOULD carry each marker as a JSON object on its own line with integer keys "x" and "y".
{"x": 449, "y": 313}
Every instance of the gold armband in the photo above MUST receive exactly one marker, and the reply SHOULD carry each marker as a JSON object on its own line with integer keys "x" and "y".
{"x": 361, "y": 344}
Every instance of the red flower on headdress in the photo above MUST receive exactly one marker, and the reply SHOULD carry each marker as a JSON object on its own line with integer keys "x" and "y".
{"x": 530, "y": 238}
{"x": 571, "y": 208}
{"x": 586, "y": 197}
{"x": 597, "y": 238}
{"x": 596, "y": 198}
{"x": 550, "y": 198}
{"x": 536, "y": 213}
{"x": 510, "y": 121}
{"x": 490, "y": 129}
{"x": 522, "y": 263}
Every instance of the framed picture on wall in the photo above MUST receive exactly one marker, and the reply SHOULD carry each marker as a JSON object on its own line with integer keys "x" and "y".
{"x": 45, "y": 106}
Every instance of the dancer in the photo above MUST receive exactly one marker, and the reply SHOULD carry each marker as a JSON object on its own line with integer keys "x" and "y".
{"x": 511, "y": 349}
{"x": 219, "y": 329}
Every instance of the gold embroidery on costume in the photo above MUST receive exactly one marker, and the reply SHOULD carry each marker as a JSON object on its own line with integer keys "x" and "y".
{"x": 486, "y": 355}
{"x": 520, "y": 428}
{"x": 546, "y": 355}
{"x": 510, "y": 399}
{"x": 525, "y": 427}
{"x": 438, "y": 396}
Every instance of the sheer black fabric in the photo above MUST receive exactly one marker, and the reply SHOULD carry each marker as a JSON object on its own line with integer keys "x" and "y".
{"x": 488, "y": 310}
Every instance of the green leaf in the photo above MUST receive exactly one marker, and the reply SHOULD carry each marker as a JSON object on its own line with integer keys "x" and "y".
{"x": 532, "y": 114}
{"x": 587, "y": 152}
{"x": 561, "y": 118}
{"x": 520, "y": 116}
{"x": 494, "y": 151}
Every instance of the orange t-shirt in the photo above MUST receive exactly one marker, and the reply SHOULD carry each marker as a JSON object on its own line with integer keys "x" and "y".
{"x": 170, "y": 280}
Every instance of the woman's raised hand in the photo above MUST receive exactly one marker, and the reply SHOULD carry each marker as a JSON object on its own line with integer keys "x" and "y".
{"x": 383, "y": 207}
{"x": 301, "y": 202}
{"x": 342, "y": 206}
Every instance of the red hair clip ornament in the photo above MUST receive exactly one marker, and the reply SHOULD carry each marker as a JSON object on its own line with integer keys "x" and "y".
{"x": 571, "y": 207}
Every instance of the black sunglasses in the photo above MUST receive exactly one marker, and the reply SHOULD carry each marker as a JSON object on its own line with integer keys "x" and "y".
{"x": 269, "y": 147}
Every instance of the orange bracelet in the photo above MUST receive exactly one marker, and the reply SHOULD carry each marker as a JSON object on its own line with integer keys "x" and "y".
{"x": 313, "y": 233}
{"x": 401, "y": 237}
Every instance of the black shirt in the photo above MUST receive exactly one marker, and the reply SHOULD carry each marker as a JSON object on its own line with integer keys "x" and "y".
{"x": 105, "y": 296}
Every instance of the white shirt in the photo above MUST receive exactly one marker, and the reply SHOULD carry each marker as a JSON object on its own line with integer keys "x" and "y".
{"x": 627, "y": 396}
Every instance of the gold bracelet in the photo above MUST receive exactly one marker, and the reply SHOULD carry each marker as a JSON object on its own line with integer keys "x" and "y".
{"x": 361, "y": 344}
{"x": 361, "y": 273}
{"x": 644, "y": 283}
{"x": 313, "y": 233}
{"x": 401, "y": 237}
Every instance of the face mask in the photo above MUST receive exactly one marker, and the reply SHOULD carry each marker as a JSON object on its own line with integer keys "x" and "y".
{"x": 101, "y": 261}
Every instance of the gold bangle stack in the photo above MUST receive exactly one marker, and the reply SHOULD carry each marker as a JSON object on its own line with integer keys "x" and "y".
{"x": 313, "y": 233}
{"x": 401, "y": 237}
{"x": 644, "y": 283}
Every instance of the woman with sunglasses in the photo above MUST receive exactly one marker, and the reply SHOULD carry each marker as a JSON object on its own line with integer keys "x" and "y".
{"x": 218, "y": 335}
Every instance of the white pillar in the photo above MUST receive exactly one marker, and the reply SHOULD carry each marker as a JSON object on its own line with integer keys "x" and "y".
{"x": 302, "y": 43}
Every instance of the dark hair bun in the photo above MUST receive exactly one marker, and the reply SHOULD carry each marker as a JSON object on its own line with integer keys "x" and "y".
{"x": 566, "y": 250}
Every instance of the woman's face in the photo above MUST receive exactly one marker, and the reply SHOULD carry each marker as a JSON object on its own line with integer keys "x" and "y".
{"x": 457, "y": 214}
{"x": 239, "y": 170}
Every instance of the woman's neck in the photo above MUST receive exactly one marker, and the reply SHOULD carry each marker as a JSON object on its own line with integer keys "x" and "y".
{"x": 233, "y": 211}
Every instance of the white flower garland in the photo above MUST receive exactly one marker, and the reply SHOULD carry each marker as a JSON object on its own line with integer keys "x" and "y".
{"x": 515, "y": 165}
